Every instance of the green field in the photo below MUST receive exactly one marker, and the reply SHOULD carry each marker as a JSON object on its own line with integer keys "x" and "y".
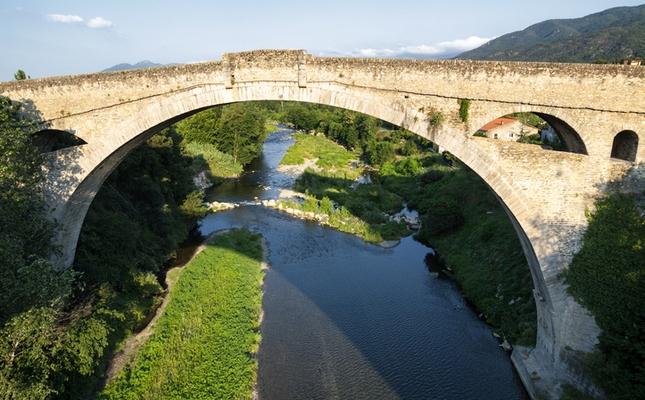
{"x": 330, "y": 155}
{"x": 204, "y": 344}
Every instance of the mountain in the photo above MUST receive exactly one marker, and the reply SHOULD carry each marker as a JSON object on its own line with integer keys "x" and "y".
{"x": 141, "y": 64}
{"x": 613, "y": 34}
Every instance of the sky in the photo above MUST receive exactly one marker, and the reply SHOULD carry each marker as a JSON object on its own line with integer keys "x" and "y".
{"x": 66, "y": 37}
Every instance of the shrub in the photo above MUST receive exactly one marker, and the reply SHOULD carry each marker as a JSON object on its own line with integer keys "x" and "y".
{"x": 435, "y": 118}
{"x": 464, "y": 106}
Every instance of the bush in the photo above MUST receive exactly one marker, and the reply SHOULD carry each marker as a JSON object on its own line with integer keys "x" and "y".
{"x": 382, "y": 153}
{"x": 408, "y": 166}
{"x": 409, "y": 148}
{"x": 443, "y": 214}
{"x": 464, "y": 106}
{"x": 326, "y": 206}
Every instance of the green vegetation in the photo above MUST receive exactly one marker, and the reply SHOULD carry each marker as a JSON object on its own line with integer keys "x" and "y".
{"x": 208, "y": 158}
{"x": 460, "y": 216}
{"x": 20, "y": 75}
{"x": 607, "y": 276}
{"x": 613, "y": 35}
{"x": 529, "y": 119}
{"x": 236, "y": 129}
{"x": 571, "y": 393}
{"x": 204, "y": 343}
{"x": 464, "y": 107}
{"x": 329, "y": 155}
{"x": 360, "y": 209}
{"x": 435, "y": 118}
{"x": 43, "y": 336}
{"x": 464, "y": 221}
{"x": 58, "y": 329}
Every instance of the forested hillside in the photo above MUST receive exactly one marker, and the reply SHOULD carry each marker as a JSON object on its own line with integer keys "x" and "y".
{"x": 610, "y": 35}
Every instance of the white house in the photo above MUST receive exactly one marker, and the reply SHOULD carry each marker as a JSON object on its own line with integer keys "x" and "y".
{"x": 507, "y": 129}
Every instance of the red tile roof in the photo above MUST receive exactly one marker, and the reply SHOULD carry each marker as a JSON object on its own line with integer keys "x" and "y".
{"x": 497, "y": 123}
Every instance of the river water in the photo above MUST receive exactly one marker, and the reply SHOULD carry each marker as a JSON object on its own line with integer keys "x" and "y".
{"x": 344, "y": 319}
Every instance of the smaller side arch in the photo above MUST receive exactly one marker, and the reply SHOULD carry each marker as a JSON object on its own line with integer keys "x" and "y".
{"x": 625, "y": 146}
{"x": 570, "y": 139}
{"x": 53, "y": 139}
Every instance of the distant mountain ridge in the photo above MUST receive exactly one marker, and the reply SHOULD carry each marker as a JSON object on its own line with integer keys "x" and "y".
{"x": 140, "y": 64}
{"x": 610, "y": 35}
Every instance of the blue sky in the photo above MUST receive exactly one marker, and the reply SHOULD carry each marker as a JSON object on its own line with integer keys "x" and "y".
{"x": 64, "y": 37}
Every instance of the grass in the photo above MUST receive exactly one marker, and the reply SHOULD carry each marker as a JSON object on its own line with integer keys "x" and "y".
{"x": 207, "y": 157}
{"x": 330, "y": 155}
{"x": 204, "y": 344}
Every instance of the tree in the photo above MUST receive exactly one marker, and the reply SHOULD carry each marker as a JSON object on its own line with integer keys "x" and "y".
{"x": 241, "y": 132}
{"x": 201, "y": 127}
{"x": 20, "y": 75}
{"x": 32, "y": 292}
{"x": 366, "y": 127}
{"x": 383, "y": 152}
{"x": 27, "y": 277}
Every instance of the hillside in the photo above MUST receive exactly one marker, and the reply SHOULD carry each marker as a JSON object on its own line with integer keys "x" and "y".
{"x": 609, "y": 35}
{"x": 141, "y": 64}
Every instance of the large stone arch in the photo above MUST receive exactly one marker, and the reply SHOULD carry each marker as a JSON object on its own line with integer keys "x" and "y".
{"x": 546, "y": 192}
{"x": 106, "y": 150}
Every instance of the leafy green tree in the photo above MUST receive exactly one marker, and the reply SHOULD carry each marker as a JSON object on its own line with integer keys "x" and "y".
{"x": 241, "y": 133}
{"x": 408, "y": 166}
{"x": 410, "y": 148}
{"x": 443, "y": 214}
{"x": 41, "y": 338}
{"x": 201, "y": 127}
{"x": 303, "y": 117}
{"x": 383, "y": 153}
{"x": 366, "y": 127}
{"x": 20, "y": 75}
{"x": 27, "y": 278}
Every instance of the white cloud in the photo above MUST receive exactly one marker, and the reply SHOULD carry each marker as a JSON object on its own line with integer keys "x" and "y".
{"x": 66, "y": 19}
{"x": 99, "y": 22}
{"x": 439, "y": 50}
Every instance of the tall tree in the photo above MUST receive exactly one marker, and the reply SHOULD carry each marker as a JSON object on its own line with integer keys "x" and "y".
{"x": 27, "y": 277}
{"x": 32, "y": 292}
{"x": 20, "y": 75}
{"x": 241, "y": 132}
{"x": 201, "y": 127}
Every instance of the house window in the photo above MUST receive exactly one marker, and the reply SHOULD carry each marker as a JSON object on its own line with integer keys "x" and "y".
{"x": 625, "y": 146}
{"x": 510, "y": 135}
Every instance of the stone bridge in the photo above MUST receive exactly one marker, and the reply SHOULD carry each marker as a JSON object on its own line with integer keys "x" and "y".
{"x": 598, "y": 111}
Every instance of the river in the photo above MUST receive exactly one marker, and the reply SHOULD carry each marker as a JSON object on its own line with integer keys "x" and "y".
{"x": 344, "y": 319}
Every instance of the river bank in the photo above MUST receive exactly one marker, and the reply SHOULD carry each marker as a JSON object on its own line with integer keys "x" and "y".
{"x": 232, "y": 299}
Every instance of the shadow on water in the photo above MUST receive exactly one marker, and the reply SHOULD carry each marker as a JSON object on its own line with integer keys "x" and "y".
{"x": 375, "y": 324}
{"x": 347, "y": 319}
